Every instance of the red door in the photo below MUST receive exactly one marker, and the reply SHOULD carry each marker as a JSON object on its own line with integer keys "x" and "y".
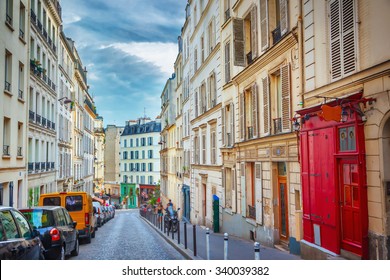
{"x": 350, "y": 206}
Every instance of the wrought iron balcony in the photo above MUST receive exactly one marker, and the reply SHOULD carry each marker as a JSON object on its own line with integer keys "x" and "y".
{"x": 227, "y": 14}
{"x": 21, "y": 34}
{"x": 30, "y": 167}
{"x": 43, "y": 166}
{"x": 276, "y": 35}
{"x": 7, "y": 86}
{"x": 19, "y": 152}
{"x": 50, "y": 41}
{"x": 53, "y": 125}
{"x": 8, "y": 19}
{"x": 33, "y": 17}
{"x": 40, "y": 27}
{"x": 48, "y": 124}
{"x": 277, "y": 125}
{"x": 52, "y": 165}
{"x": 44, "y": 32}
{"x": 38, "y": 118}
{"x": 53, "y": 86}
{"x": 47, "y": 166}
{"x": 44, "y": 121}
{"x": 251, "y": 212}
{"x": 31, "y": 115}
{"x": 6, "y": 150}
{"x": 37, "y": 166}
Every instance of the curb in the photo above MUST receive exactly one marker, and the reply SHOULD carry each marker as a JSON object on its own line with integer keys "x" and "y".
{"x": 186, "y": 253}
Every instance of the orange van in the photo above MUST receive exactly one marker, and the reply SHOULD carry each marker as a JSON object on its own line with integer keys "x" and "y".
{"x": 79, "y": 206}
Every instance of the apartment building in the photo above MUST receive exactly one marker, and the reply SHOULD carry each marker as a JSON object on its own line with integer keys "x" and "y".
{"x": 45, "y": 20}
{"x": 99, "y": 137}
{"x": 64, "y": 114}
{"x": 14, "y": 65}
{"x": 139, "y": 160}
{"x": 89, "y": 142}
{"x": 345, "y": 129}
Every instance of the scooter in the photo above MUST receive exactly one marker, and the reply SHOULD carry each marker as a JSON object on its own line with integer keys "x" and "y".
{"x": 171, "y": 222}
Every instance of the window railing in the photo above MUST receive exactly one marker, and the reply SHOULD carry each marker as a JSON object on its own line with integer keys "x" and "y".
{"x": 21, "y": 34}
{"x": 227, "y": 14}
{"x": 53, "y": 125}
{"x": 38, "y": 118}
{"x": 30, "y": 167}
{"x": 249, "y": 59}
{"x": 48, "y": 124}
{"x": 251, "y": 212}
{"x": 43, "y": 166}
{"x": 277, "y": 125}
{"x": 37, "y": 166}
{"x": 44, "y": 32}
{"x": 229, "y": 139}
{"x": 20, "y": 94}
{"x": 8, "y": 19}
{"x": 31, "y": 115}
{"x": 276, "y": 35}
{"x": 52, "y": 165}
{"x": 7, "y": 86}
{"x": 19, "y": 152}
{"x": 33, "y": 17}
{"x": 6, "y": 150}
{"x": 250, "y": 132}
{"x": 40, "y": 27}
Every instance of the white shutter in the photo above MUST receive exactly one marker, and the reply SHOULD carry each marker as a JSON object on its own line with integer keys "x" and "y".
{"x": 258, "y": 193}
{"x": 254, "y": 46}
{"x": 335, "y": 39}
{"x": 196, "y": 104}
{"x": 242, "y": 116}
{"x": 243, "y": 190}
{"x": 283, "y": 16}
{"x": 255, "y": 115}
{"x": 238, "y": 42}
{"x": 264, "y": 24}
{"x": 227, "y": 62}
{"x": 348, "y": 39}
{"x": 234, "y": 191}
{"x": 232, "y": 126}
{"x": 266, "y": 109}
{"x": 286, "y": 115}
{"x": 223, "y": 126}
{"x": 223, "y": 203}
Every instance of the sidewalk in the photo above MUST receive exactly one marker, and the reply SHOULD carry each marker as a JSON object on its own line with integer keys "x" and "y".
{"x": 238, "y": 249}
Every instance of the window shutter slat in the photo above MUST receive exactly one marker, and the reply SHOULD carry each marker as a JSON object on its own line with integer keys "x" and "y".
{"x": 285, "y": 77}
{"x": 264, "y": 24}
{"x": 258, "y": 194}
{"x": 266, "y": 112}
{"x": 238, "y": 42}
{"x": 348, "y": 31}
{"x": 283, "y": 16}
{"x": 255, "y": 115}
{"x": 335, "y": 39}
{"x": 254, "y": 31}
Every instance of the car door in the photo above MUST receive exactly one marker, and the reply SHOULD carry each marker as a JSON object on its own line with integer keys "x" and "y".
{"x": 32, "y": 244}
{"x": 71, "y": 230}
{"x": 13, "y": 247}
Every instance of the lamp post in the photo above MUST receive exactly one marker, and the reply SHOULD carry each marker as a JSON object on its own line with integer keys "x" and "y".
{"x": 66, "y": 101}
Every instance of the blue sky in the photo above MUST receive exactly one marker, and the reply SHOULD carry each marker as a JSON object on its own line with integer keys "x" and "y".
{"x": 129, "y": 48}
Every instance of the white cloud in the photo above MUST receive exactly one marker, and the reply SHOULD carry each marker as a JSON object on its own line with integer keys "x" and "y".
{"x": 70, "y": 18}
{"x": 161, "y": 55}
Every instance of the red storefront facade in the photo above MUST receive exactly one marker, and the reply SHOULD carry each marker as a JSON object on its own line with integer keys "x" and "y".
{"x": 333, "y": 176}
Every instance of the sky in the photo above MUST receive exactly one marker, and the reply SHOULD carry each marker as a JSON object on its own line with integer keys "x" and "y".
{"x": 129, "y": 48}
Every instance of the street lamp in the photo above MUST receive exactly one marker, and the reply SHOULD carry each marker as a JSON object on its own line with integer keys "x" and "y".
{"x": 66, "y": 101}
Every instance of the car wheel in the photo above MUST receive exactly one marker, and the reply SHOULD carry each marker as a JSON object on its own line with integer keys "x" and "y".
{"x": 75, "y": 252}
{"x": 88, "y": 239}
{"x": 93, "y": 233}
{"x": 62, "y": 253}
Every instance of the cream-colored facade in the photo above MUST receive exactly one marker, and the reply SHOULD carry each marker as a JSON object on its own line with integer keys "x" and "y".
{"x": 45, "y": 20}
{"x": 89, "y": 143}
{"x": 99, "y": 154}
{"x": 14, "y": 65}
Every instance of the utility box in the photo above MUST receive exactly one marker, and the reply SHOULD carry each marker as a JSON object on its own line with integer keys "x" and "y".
{"x": 215, "y": 213}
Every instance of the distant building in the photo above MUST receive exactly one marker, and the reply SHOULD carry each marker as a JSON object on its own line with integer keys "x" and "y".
{"x": 139, "y": 158}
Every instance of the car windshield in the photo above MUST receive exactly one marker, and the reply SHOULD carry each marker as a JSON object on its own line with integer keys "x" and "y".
{"x": 39, "y": 218}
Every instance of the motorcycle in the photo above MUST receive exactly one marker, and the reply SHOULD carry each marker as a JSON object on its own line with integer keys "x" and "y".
{"x": 171, "y": 220}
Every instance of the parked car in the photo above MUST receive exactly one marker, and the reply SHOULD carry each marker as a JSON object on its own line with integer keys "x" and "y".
{"x": 57, "y": 230}
{"x": 79, "y": 205}
{"x": 99, "y": 213}
{"x": 18, "y": 240}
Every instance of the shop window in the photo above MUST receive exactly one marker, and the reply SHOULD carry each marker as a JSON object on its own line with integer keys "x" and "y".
{"x": 347, "y": 139}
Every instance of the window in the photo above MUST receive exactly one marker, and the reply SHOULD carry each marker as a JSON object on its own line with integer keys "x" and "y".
{"x": 6, "y": 136}
{"x": 342, "y": 38}
{"x": 227, "y": 62}
{"x": 212, "y": 86}
{"x": 196, "y": 149}
{"x": 213, "y": 145}
{"x": 9, "y": 225}
{"x": 227, "y": 9}
{"x": 21, "y": 81}
{"x": 195, "y": 59}
{"x": 202, "y": 48}
{"x": 74, "y": 203}
{"x": 228, "y": 125}
{"x": 204, "y": 148}
{"x": 9, "y": 11}
{"x": 150, "y": 154}
{"x": 22, "y": 20}
{"x": 150, "y": 141}
{"x": 347, "y": 139}
{"x": 125, "y": 143}
{"x": 150, "y": 180}
{"x": 150, "y": 167}
{"x": 203, "y": 98}
{"x": 20, "y": 139}
{"x": 8, "y": 71}
{"x": 249, "y": 113}
{"x": 143, "y": 166}
{"x": 245, "y": 38}
{"x": 211, "y": 35}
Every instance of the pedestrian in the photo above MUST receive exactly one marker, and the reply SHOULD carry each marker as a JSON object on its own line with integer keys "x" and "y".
{"x": 160, "y": 209}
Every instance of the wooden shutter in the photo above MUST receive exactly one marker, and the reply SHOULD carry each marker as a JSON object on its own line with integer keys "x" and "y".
{"x": 238, "y": 42}
{"x": 234, "y": 190}
{"x": 232, "y": 125}
{"x": 264, "y": 24}
{"x": 254, "y": 46}
{"x": 348, "y": 39}
{"x": 335, "y": 39}
{"x": 286, "y": 115}
{"x": 266, "y": 109}
{"x": 223, "y": 125}
{"x": 258, "y": 193}
{"x": 255, "y": 114}
{"x": 243, "y": 190}
{"x": 283, "y": 16}
{"x": 242, "y": 116}
{"x": 227, "y": 62}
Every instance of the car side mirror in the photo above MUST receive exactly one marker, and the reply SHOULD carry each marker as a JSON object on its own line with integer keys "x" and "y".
{"x": 74, "y": 224}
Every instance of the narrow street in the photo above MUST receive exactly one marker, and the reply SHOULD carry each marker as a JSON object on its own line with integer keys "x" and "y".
{"x": 127, "y": 237}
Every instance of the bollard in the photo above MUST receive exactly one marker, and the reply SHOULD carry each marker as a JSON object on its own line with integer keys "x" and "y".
{"x": 164, "y": 225}
{"x": 257, "y": 250}
{"x": 178, "y": 232}
{"x": 225, "y": 248}
{"x": 208, "y": 243}
{"x": 194, "y": 237}
{"x": 185, "y": 235}
{"x": 173, "y": 232}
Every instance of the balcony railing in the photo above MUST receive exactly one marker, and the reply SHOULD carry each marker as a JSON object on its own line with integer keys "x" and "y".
{"x": 249, "y": 59}
{"x": 277, "y": 125}
{"x": 276, "y": 35}
{"x": 47, "y": 166}
{"x": 33, "y": 17}
{"x": 40, "y": 27}
{"x": 250, "y": 132}
{"x": 52, "y": 165}
{"x": 19, "y": 152}
{"x": 8, "y": 19}
{"x": 53, "y": 126}
{"x": 43, "y": 166}
{"x": 44, "y": 32}
{"x": 251, "y": 212}
{"x": 6, "y": 150}
{"x": 44, "y": 121}
{"x": 38, "y": 118}
{"x": 227, "y": 14}
{"x": 30, "y": 167}
{"x": 20, "y": 94}
{"x": 37, "y": 166}
{"x": 53, "y": 86}
{"x": 21, "y": 34}
{"x": 48, "y": 124}
{"x": 31, "y": 115}
{"x": 7, "y": 86}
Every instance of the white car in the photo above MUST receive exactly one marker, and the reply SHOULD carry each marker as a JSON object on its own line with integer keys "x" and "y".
{"x": 99, "y": 216}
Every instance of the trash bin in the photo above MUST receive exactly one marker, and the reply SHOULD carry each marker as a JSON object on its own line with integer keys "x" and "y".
{"x": 215, "y": 213}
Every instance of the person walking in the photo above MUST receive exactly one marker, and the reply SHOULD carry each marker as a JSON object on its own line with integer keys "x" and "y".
{"x": 160, "y": 213}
